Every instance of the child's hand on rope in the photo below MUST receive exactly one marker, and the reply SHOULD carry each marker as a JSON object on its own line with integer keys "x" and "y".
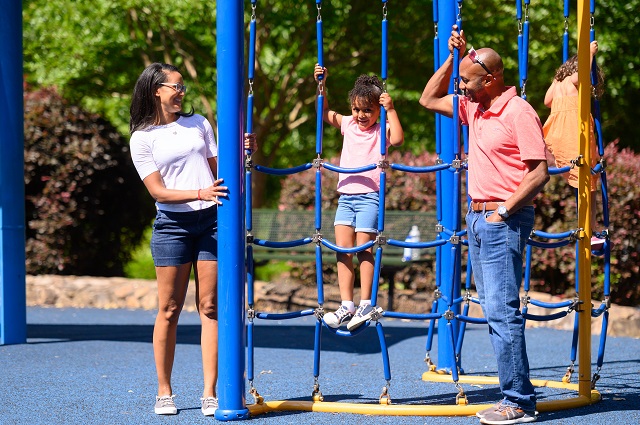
{"x": 318, "y": 71}
{"x": 250, "y": 142}
{"x": 593, "y": 47}
{"x": 386, "y": 101}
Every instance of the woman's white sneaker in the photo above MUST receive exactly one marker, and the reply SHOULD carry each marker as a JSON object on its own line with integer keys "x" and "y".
{"x": 209, "y": 406}
{"x": 165, "y": 405}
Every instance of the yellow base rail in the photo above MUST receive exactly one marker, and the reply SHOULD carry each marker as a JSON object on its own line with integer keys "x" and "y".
{"x": 426, "y": 410}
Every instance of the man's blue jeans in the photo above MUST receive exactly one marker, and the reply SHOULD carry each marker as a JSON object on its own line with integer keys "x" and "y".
{"x": 495, "y": 251}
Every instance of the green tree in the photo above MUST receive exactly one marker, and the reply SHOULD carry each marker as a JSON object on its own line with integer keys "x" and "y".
{"x": 613, "y": 21}
{"x": 94, "y": 52}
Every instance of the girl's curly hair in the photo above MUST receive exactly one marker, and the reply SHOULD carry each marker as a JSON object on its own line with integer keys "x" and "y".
{"x": 570, "y": 67}
{"x": 368, "y": 88}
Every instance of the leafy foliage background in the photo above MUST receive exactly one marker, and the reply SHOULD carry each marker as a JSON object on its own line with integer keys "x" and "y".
{"x": 94, "y": 51}
{"x": 85, "y": 204}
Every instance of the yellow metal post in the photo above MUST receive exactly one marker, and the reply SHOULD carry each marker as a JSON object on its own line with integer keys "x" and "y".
{"x": 584, "y": 199}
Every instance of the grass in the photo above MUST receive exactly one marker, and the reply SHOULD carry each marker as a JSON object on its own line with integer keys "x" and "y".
{"x": 141, "y": 264}
{"x": 271, "y": 270}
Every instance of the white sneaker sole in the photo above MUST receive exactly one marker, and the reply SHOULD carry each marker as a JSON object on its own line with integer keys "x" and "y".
{"x": 508, "y": 422}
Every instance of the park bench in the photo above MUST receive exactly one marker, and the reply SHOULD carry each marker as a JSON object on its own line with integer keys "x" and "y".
{"x": 279, "y": 226}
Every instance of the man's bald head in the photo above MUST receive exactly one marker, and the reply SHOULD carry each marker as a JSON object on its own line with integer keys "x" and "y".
{"x": 492, "y": 60}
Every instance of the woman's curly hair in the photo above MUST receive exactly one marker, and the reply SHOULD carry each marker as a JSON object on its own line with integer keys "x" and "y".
{"x": 570, "y": 67}
{"x": 368, "y": 88}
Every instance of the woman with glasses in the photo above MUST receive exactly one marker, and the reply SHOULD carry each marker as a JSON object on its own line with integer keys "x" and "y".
{"x": 175, "y": 154}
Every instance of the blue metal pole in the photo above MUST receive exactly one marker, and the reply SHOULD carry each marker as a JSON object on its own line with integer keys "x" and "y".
{"x": 565, "y": 35}
{"x": 384, "y": 65}
{"x": 447, "y": 10}
{"x": 231, "y": 231}
{"x": 13, "y": 310}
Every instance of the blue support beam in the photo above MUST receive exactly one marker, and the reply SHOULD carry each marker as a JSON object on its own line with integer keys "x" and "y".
{"x": 231, "y": 228}
{"x": 447, "y": 11}
{"x": 13, "y": 312}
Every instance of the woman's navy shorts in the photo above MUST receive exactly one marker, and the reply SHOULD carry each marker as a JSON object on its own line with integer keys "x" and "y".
{"x": 184, "y": 237}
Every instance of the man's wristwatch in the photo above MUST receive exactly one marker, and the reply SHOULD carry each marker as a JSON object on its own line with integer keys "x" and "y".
{"x": 503, "y": 212}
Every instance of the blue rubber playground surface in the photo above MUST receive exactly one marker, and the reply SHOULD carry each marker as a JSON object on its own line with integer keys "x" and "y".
{"x": 88, "y": 366}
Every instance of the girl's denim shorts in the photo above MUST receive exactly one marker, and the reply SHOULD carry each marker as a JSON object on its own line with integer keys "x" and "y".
{"x": 185, "y": 237}
{"x": 359, "y": 211}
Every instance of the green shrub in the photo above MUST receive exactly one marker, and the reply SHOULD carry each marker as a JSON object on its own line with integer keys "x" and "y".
{"x": 86, "y": 208}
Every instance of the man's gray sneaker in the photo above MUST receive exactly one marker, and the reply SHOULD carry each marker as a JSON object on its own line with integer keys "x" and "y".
{"x": 165, "y": 405}
{"x": 508, "y": 415}
{"x": 209, "y": 406}
{"x": 483, "y": 412}
{"x": 337, "y": 319}
{"x": 363, "y": 313}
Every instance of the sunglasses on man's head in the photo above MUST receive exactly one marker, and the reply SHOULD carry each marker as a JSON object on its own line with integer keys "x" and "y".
{"x": 475, "y": 58}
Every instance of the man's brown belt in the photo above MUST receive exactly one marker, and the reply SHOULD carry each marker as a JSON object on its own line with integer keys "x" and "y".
{"x": 484, "y": 206}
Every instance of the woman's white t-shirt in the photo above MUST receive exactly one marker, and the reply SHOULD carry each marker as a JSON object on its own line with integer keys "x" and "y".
{"x": 179, "y": 151}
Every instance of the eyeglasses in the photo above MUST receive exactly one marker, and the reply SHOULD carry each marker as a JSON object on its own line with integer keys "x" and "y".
{"x": 475, "y": 58}
{"x": 180, "y": 88}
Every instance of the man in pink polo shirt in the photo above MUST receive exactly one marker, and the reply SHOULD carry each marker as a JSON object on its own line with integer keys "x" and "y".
{"x": 507, "y": 169}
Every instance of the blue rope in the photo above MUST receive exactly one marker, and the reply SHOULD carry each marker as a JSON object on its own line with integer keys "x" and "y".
{"x": 343, "y": 170}
{"x": 283, "y": 171}
{"x": 284, "y": 316}
{"x": 565, "y": 35}
{"x": 285, "y": 244}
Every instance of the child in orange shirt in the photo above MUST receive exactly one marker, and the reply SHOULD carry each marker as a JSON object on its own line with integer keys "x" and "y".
{"x": 561, "y": 128}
